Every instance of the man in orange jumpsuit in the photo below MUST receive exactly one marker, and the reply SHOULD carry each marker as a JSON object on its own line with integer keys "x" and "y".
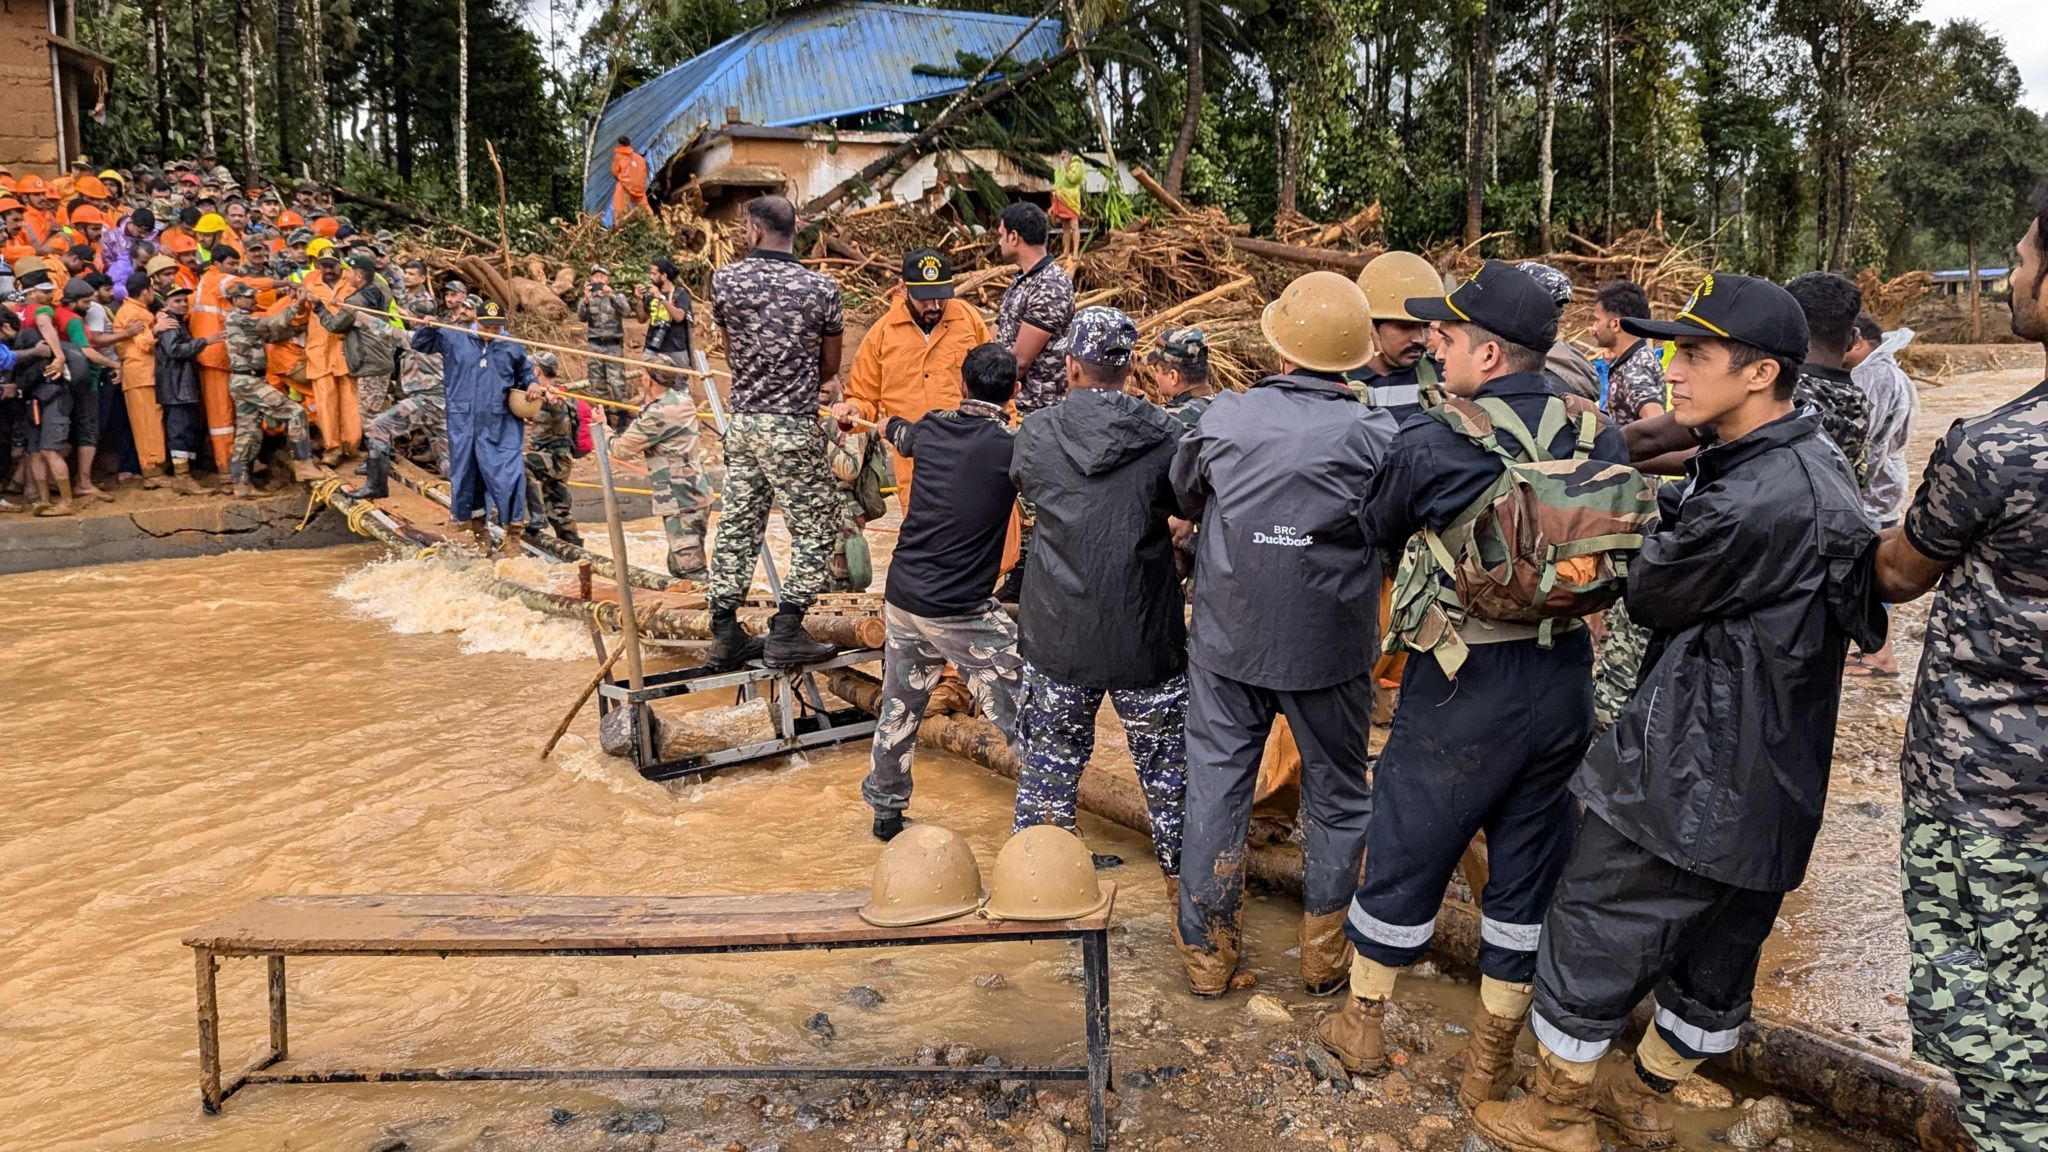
{"x": 137, "y": 348}
{"x": 629, "y": 187}
{"x": 209, "y": 316}
{"x": 334, "y": 391}
{"x": 909, "y": 362}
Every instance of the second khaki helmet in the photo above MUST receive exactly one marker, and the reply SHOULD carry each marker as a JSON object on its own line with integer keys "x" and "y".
{"x": 1044, "y": 873}
{"x": 926, "y": 874}
{"x": 1321, "y": 323}
{"x": 1392, "y": 279}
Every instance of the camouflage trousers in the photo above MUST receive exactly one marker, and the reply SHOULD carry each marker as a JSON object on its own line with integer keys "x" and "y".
{"x": 256, "y": 402}
{"x": 1617, "y": 667}
{"x": 779, "y": 460}
{"x": 608, "y": 380}
{"x": 982, "y": 645}
{"x": 1056, "y": 738}
{"x": 547, "y": 491}
{"x": 420, "y": 412}
{"x": 1977, "y": 917}
{"x": 847, "y": 522}
{"x": 682, "y": 498}
{"x": 373, "y": 397}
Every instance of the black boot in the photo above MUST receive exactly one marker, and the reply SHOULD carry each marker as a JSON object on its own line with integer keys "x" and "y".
{"x": 569, "y": 535}
{"x": 887, "y": 825}
{"x": 376, "y": 479}
{"x": 789, "y": 646}
{"x": 730, "y": 644}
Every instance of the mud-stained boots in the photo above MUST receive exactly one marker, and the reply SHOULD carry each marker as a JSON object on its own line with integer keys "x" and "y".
{"x": 1487, "y": 1066}
{"x": 730, "y": 644}
{"x": 1354, "y": 1036}
{"x": 1625, "y": 1096}
{"x": 1210, "y": 970}
{"x": 305, "y": 471}
{"x": 788, "y": 645}
{"x": 1554, "y": 1117}
{"x": 1325, "y": 953}
{"x": 513, "y": 544}
{"x": 480, "y": 535}
{"x": 376, "y": 478}
{"x": 182, "y": 482}
{"x": 238, "y": 471}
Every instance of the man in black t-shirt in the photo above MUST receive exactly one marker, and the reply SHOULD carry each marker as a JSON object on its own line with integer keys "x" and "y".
{"x": 939, "y": 603}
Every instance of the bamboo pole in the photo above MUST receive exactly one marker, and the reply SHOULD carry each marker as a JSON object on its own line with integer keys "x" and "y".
{"x": 616, "y": 525}
{"x": 581, "y": 698}
{"x": 585, "y": 353}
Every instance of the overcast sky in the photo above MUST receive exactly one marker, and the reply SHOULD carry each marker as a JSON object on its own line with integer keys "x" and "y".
{"x": 2019, "y": 24}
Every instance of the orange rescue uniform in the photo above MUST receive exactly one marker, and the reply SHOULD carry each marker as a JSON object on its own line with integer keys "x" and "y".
{"x": 629, "y": 184}
{"x": 334, "y": 391}
{"x": 210, "y": 316}
{"x": 902, "y": 371}
{"x": 138, "y": 385}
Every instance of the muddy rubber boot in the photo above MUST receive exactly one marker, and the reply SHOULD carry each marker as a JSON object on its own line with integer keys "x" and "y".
{"x": 1624, "y": 1097}
{"x": 376, "y": 479}
{"x": 305, "y": 471}
{"x": 1325, "y": 953}
{"x": 1487, "y": 1065}
{"x": 1209, "y": 970}
{"x": 480, "y": 535}
{"x": 1354, "y": 1036}
{"x": 515, "y": 533}
{"x": 238, "y": 473}
{"x": 888, "y": 825}
{"x": 155, "y": 480}
{"x": 1554, "y": 1117}
{"x": 788, "y": 645}
{"x": 569, "y": 536}
{"x": 182, "y": 482}
{"x": 730, "y": 644}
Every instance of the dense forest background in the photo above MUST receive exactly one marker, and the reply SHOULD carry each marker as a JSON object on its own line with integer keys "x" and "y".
{"x": 1781, "y": 135}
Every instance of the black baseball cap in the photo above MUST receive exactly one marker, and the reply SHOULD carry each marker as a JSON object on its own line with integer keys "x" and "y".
{"x": 1503, "y": 300}
{"x": 1740, "y": 308}
{"x": 928, "y": 274}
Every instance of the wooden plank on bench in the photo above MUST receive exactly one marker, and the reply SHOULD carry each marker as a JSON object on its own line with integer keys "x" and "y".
{"x": 388, "y": 924}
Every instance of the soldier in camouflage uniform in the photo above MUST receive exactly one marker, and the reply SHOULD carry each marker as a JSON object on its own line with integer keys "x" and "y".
{"x": 1035, "y": 310}
{"x": 1831, "y": 303}
{"x": 783, "y": 328}
{"x": 666, "y": 434}
{"x": 550, "y": 451}
{"x": 422, "y": 406}
{"x": 603, "y": 313}
{"x": 1975, "y": 843}
{"x": 249, "y": 337}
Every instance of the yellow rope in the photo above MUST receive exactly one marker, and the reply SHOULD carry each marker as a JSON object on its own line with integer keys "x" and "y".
{"x": 600, "y": 488}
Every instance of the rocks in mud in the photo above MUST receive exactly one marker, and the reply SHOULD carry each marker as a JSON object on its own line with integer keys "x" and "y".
{"x": 1268, "y": 1010}
{"x": 1762, "y": 1122}
{"x": 560, "y": 1116}
{"x": 862, "y": 996}
{"x": 991, "y": 981}
{"x": 1700, "y": 1093}
{"x": 1322, "y": 1065}
{"x": 809, "y": 1117}
{"x": 820, "y": 1025}
{"x": 646, "y": 1121}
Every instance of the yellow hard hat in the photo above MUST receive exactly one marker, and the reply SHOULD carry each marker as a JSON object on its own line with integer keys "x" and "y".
{"x": 1394, "y": 278}
{"x": 211, "y": 222}
{"x": 925, "y": 874}
{"x": 110, "y": 174}
{"x": 319, "y": 247}
{"x": 1044, "y": 873}
{"x": 1320, "y": 322}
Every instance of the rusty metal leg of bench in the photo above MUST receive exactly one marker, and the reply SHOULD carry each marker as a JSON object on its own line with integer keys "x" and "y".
{"x": 1095, "y": 973}
{"x": 209, "y": 1032}
{"x": 277, "y": 1030}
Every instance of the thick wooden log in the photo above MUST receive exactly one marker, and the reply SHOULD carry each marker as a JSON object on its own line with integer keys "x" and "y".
{"x": 1352, "y": 262}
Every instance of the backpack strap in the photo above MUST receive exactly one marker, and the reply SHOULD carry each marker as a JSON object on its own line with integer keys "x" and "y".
{"x": 1504, "y": 418}
{"x": 1589, "y": 430}
{"x": 1429, "y": 386}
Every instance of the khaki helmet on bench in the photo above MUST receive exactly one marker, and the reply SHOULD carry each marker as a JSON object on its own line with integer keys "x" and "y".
{"x": 926, "y": 874}
{"x": 1043, "y": 873}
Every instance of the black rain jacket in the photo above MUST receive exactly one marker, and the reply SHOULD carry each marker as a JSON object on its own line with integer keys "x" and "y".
{"x": 1753, "y": 584}
{"x": 1101, "y": 605}
{"x": 177, "y": 365}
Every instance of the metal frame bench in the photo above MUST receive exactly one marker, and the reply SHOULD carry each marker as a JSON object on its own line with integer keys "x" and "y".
{"x": 372, "y": 925}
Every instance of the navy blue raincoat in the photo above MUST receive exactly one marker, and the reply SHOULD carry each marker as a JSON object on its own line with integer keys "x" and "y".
{"x": 486, "y": 442}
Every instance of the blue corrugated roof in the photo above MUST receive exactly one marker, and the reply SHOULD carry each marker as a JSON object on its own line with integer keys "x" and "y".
{"x": 1964, "y": 273}
{"x": 835, "y": 60}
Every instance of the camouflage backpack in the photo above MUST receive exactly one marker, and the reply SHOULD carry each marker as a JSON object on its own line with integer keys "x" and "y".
{"x": 1548, "y": 540}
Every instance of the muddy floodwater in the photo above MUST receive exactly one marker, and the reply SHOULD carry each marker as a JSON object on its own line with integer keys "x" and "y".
{"x": 180, "y": 737}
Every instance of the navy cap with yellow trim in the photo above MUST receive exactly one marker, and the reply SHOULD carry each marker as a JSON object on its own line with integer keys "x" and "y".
{"x": 1501, "y": 299}
{"x": 928, "y": 274}
{"x": 1740, "y": 308}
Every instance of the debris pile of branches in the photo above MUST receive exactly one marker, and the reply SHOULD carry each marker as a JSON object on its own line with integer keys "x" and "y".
{"x": 1888, "y": 300}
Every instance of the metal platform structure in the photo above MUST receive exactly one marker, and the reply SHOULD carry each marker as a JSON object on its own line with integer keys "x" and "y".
{"x": 802, "y": 717}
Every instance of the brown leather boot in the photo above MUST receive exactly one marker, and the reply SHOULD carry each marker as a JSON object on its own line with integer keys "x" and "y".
{"x": 514, "y": 533}
{"x": 1325, "y": 953}
{"x": 1353, "y": 1036}
{"x": 182, "y": 482}
{"x": 480, "y": 533}
{"x": 1487, "y": 1066}
{"x": 1635, "y": 1108}
{"x": 1553, "y": 1118}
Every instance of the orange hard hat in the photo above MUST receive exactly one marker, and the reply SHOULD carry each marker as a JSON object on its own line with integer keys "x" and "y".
{"x": 326, "y": 226}
{"x": 91, "y": 188}
{"x": 290, "y": 219}
{"x": 32, "y": 185}
{"x": 180, "y": 241}
{"x": 10, "y": 204}
{"x": 87, "y": 214}
{"x": 7, "y": 182}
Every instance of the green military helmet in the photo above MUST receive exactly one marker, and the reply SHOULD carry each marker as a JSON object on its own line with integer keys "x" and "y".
{"x": 548, "y": 362}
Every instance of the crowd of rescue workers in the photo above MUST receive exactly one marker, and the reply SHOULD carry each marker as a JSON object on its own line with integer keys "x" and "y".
{"x": 1618, "y": 596}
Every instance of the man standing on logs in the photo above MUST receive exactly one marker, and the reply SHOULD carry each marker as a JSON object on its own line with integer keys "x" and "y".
{"x": 249, "y": 337}
{"x": 783, "y": 328}
{"x": 1285, "y": 623}
{"x": 422, "y": 404}
{"x": 665, "y": 433}
{"x": 486, "y": 442}
{"x": 550, "y": 452}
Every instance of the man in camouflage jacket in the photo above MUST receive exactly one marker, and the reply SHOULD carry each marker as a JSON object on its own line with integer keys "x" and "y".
{"x": 249, "y": 337}
{"x": 603, "y": 313}
{"x": 550, "y": 451}
{"x": 665, "y": 434}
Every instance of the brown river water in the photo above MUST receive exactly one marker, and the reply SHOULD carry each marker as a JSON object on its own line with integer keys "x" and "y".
{"x": 180, "y": 737}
